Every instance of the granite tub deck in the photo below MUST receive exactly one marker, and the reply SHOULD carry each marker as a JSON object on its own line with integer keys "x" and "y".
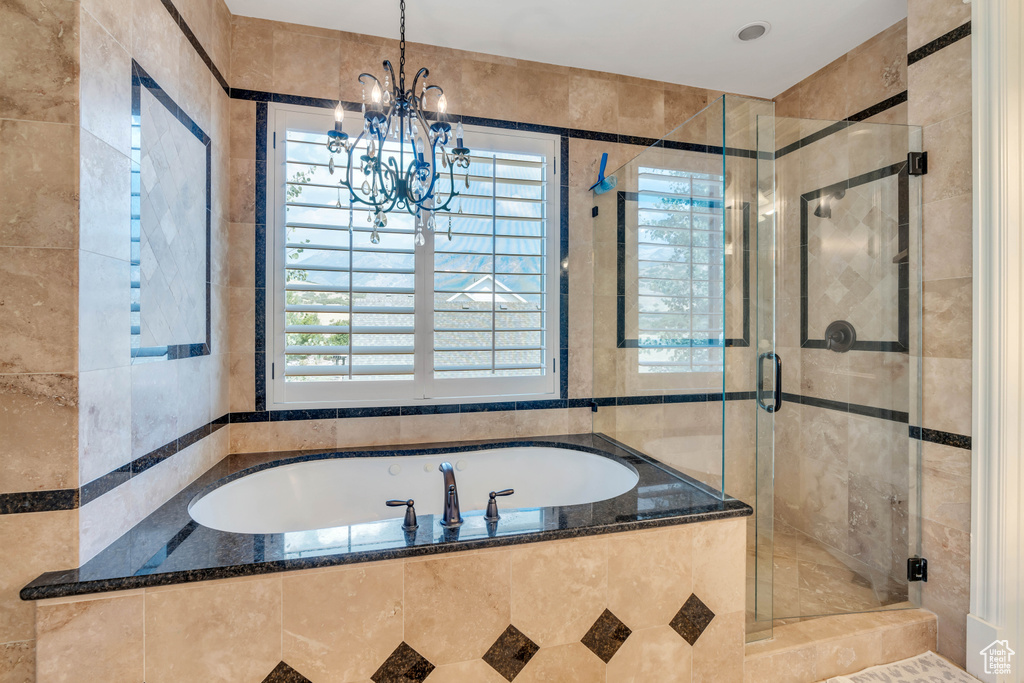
{"x": 168, "y": 547}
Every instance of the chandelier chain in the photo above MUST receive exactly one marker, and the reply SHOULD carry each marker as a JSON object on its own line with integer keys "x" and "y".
{"x": 401, "y": 62}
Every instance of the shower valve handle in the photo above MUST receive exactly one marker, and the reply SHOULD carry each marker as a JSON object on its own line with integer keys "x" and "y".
{"x": 410, "y": 523}
{"x": 492, "y": 504}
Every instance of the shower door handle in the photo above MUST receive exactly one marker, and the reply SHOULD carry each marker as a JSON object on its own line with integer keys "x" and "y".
{"x": 777, "y": 394}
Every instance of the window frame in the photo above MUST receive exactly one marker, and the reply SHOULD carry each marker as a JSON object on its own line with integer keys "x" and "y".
{"x": 423, "y": 389}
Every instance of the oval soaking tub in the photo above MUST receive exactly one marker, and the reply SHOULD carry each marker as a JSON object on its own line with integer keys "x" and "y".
{"x": 340, "y": 491}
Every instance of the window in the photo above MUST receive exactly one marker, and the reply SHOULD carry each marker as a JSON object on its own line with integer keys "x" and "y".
{"x": 473, "y": 313}
{"x": 680, "y": 254}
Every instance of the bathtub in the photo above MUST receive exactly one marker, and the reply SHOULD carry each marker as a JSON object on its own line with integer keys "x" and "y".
{"x": 342, "y": 491}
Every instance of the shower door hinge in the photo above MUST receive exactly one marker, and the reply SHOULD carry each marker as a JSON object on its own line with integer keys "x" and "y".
{"x": 917, "y": 163}
{"x": 917, "y": 569}
{"x": 593, "y": 212}
{"x": 593, "y": 406}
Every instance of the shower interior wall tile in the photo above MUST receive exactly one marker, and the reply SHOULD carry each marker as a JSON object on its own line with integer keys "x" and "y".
{"x": 930, "y": 19}
{"x": 877, "y": 68}
{"x": 940, "y": 99}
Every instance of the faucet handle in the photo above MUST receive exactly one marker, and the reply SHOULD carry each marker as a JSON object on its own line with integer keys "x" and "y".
{"x": 410, "y": 523}
{"x": 492, "y": 504}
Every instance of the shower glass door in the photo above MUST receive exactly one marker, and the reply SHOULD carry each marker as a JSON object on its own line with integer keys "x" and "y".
{"x": 844, "y": 254}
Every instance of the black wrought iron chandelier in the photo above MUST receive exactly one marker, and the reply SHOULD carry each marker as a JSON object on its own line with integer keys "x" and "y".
{"x": 399, "y": 178}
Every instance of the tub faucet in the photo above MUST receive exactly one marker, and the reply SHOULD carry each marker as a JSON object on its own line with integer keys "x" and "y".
{"x": 452, "y": 517}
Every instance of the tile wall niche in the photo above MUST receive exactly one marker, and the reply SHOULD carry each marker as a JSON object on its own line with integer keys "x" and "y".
{"x": 663, "y": 604}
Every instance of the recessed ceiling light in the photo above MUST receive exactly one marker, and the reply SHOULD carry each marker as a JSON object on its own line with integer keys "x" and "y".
{"x": 753, "y": 30}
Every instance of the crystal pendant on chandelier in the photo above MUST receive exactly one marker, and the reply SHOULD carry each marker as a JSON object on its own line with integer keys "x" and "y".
{"x": 402, "y": 176}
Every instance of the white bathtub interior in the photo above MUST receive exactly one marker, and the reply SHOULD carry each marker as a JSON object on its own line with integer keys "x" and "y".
{"x": 333, "y": 492}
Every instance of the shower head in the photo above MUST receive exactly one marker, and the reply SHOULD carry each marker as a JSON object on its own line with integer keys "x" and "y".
{"x": 824, "y": 209}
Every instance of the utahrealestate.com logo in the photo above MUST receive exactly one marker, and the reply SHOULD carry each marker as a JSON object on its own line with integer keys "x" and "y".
{"x": 998, "y": 657}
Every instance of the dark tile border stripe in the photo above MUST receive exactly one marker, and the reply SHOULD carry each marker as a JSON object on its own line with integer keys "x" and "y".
{"x": 844, "y": 407}
{"x": 69, "y": 499}
{"x": 943, "y": 438}
{"x": 943, "y": 41}
{"x": 194, "y": 42}
{"x": 860, "y": 116}
{"x": 38, "y": 501}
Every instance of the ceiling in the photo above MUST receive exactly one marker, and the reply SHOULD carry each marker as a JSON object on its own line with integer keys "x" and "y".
{"x": 680, "y": 41}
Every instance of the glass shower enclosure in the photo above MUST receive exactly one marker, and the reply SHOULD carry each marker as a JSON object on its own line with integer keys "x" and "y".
{"x": 757, "y": 329}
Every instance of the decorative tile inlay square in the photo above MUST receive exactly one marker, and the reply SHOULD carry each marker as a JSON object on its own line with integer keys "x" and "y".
{"x": 283, "y": 673}
{"x": 691, "y": 619}
{"x": 405, "y": 665}
{"x": 170, "y": 227}
{"x": 854, "y": 260}
{"x": 511, "y": 652}
{"x": 606, "y": 636}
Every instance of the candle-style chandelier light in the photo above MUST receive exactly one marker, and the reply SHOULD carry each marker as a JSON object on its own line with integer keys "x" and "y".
{"x": 397, "y": 178}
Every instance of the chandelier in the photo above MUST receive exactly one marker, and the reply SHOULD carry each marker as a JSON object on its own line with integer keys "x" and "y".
{"x": 399, "y": 178}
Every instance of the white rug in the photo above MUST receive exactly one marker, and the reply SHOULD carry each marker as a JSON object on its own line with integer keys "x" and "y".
{"x": 926, "y": 668}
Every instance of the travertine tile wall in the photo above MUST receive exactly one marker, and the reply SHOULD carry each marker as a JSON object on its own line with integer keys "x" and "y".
{"x": 300, "y": 60}
{"x": 39, "y": 205}
{"x": 73, "y": 407}
{"x": 940, "y": 100}
{"x": 130, "y": 409}
{"x": 341, "y": 624}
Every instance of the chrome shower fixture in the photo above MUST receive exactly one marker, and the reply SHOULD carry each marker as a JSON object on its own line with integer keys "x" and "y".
{"x": 824, "y": 209}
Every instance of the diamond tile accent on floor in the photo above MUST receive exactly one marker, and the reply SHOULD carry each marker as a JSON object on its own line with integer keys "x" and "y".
{"x": 691, "y": 619}
{"x": 283, "y": 673}
{"x": 404, "y": 665}
{"x": 511, "y": 652}
{"x": 606, "y": 636}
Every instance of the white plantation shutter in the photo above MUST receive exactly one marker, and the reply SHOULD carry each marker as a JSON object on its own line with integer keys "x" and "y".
{"x": 475, "y": 315}
{"x": 349, "y": 304}
{"x": 490, "y": 295}
{"x": 680, "y": 254}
